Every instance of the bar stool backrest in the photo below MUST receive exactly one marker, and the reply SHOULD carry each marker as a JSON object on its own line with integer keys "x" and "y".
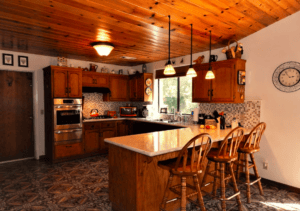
{"x": 254, "y": 138}
{"x": 194, "y": 157}
{"x": 231, "y": 143}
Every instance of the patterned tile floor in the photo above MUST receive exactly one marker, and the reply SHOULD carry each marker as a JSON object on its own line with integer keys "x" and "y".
{"x": 83, "y": 185}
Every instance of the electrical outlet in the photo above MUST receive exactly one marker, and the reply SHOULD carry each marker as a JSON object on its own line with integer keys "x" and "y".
{"x": 265, "y": 165}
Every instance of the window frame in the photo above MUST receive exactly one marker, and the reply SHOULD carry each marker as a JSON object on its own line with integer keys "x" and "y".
{"x": 178, "y": 94}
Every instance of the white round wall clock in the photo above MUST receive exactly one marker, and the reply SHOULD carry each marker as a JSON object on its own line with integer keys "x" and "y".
{"x": 286, "y": 77}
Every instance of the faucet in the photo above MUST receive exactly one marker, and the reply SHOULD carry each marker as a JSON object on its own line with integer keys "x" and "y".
{"x": 179, "y": 116}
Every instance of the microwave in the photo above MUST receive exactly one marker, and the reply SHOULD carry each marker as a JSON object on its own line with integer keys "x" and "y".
{"x": 128, "y": 111}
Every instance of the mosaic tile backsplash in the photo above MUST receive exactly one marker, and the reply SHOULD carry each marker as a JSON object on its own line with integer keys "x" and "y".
{"x": 247, "y": 113}
{"x": 95, "y": 101}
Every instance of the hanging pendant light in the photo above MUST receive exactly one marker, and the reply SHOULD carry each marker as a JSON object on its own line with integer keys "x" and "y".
{"x": 169, "y": 69}
{"x": 103, "y": 48}
{"x": 191, "y": 72}
{"x": 209, "y": 74}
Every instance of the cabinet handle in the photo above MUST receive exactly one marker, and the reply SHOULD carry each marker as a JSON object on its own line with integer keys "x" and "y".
{"x": 92, "y": 127}
{"x": 208, "y": 92}
{"x": 66, "y": 90}
{"x": 68, "y": 146}
{"x": 212, "y": 92}
{"x": 100, "y": 134}
{"x": 69, "y": 90}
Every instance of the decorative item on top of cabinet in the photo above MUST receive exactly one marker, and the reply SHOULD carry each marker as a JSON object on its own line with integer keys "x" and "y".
{"x": 65, "y": 82}
{"x": 118, "y": 85}
{"x": 138, "y": 85}
{"x": 224, "y": 88}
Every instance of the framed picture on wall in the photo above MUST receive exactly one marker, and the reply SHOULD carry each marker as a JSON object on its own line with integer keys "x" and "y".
{"x": 8, "y": 59}
{"x": 23, "y": 61}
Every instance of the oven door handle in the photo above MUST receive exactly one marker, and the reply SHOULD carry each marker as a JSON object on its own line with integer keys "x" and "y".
{"x": 67, "y": 131}
{"x": 68, "y": 106}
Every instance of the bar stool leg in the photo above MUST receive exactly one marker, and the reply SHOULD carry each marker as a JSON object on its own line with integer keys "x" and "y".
{"x": 235, "y": 187}
{"x": 257, "y": 175}
{"x": 200, "y": 198}
{"x": 247, "y": 178}
{"x": 238, "y": 167}
{"x": 166, "y": 193}
{"x": 217, "y": 167}
{"x": 205, "y": 174}
{"x": 183, "y": 194}
{"x": 222, "y": 176}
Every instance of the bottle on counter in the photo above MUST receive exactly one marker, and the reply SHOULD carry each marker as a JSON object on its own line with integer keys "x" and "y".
{"x": 222, "y": 122}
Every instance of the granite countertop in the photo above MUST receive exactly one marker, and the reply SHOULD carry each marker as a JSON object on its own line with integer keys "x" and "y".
{"x": 157, "y": 143}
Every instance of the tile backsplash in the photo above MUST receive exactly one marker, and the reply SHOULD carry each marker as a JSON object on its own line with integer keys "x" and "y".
{"x": 95, "y": 101}
{"x": 247, "y": 113}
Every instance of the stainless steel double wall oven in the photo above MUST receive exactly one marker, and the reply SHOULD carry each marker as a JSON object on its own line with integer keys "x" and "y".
{"x": 67, "y": 120}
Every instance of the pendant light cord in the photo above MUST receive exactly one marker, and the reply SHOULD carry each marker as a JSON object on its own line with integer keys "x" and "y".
{"x": 191, "y": 43}
{"x": 169, "y": 38}
{"x": 209, "y": 47}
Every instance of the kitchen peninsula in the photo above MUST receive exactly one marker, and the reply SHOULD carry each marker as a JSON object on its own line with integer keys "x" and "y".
{"x": 135, "y": 180}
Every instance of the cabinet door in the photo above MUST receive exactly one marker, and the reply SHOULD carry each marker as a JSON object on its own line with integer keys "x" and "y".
{"x": 60, "y": 83}
{"x": 222, "y": 85}
{"x": 132, "y": 89}
{"x": 88, "y": 80}
{"x": 201, "y": 86}
{"x": 106, "y": 133}
{"x": 140, "y": 89}
{"x": 75, "y": 83}
{"x": 118, "y": 88}
{"x": 101, "y": 81}
{"x": 91, "y": 141}
{"x": 122, "y": 128}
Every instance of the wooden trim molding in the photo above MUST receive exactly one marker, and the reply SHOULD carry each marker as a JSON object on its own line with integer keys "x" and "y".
{"x": 180, "y": 72}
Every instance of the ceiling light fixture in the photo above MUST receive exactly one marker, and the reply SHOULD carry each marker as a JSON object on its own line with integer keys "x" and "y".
{"x": 169, "y": 70}
{"x": 210, "y": 74}
{"x": 103, "y": 48}
{"x": 191, "y": 72}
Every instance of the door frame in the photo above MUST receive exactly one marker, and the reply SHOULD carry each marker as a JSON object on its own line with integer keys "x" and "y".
{"x": 36, "y": 117}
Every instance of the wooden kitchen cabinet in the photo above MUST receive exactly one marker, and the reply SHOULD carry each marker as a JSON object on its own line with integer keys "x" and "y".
{"x": 92, "y": 141}
{"x": 94, "y": 79}
{"x": 122, "y": 128}
{"x": 106, "y": 133}
{"x": 224, "y": 88}
{"x": 65, "y": 81}
{"x": 118, "y": 85}
{"x": 137, "y": 87}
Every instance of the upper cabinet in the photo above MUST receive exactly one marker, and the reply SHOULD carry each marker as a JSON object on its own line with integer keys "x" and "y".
{"x": 64, "y": 81}
{"x": 224, "y": 88}
{"x": 141, "y": 87}
{"x": 118, "y": 85}
{"x": 93, "y": 79}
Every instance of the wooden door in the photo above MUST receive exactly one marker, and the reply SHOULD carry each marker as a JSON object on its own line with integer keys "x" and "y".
{"x": 122, "y": 128}
{"x": 106, "y": 133}
{"x": 201, "y": 86}
{"x": 91, "y": 141}
{"x": 88, "y": 80}
{"x": 60, "y": 83}
{"x": 101, "y": 80}
{"x": 222, "y": 85}
{"x": 140, "y": 89}
{"x": 75, "y": 83}
{"x": 132, "y": 89}
{"x": 118, "y": 88}
{"x": 16, "y": 112}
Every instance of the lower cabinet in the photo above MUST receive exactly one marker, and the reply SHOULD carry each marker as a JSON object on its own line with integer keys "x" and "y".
{"x": 91, "y": 141}
{"x": 68, "y": 150}
{"x": 106, "y": 133}
{"x": 122, "y": 128}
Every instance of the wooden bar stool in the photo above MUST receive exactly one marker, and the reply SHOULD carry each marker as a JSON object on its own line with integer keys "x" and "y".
{"x": 189, "y": 163}
{"x": 248, "y": 148}
{"x": 224, "y": 157}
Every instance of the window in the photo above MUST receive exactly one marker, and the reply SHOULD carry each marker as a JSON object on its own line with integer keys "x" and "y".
{"x": 175, "y": 93}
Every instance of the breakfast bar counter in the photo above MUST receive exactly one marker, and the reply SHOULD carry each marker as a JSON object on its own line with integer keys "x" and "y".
{"x": 136, "y": 183}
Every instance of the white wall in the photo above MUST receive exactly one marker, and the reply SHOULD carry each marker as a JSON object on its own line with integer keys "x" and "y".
{"x": 36, "y": 65}
{"x": 264, "y": 51}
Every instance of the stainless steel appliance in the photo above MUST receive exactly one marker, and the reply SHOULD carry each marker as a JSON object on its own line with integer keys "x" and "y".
{"x": 129, "y": 111}
{"x": 67, "y": 120}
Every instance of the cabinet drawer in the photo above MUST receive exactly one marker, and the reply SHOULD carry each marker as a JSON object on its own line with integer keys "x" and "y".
{"x": 91, "y": 126}
{"x": 68, "y": 150}
{"x": 108, "y": 124}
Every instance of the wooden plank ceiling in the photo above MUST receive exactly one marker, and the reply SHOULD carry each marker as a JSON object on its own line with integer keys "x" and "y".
{"x": 137, "y": 28}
